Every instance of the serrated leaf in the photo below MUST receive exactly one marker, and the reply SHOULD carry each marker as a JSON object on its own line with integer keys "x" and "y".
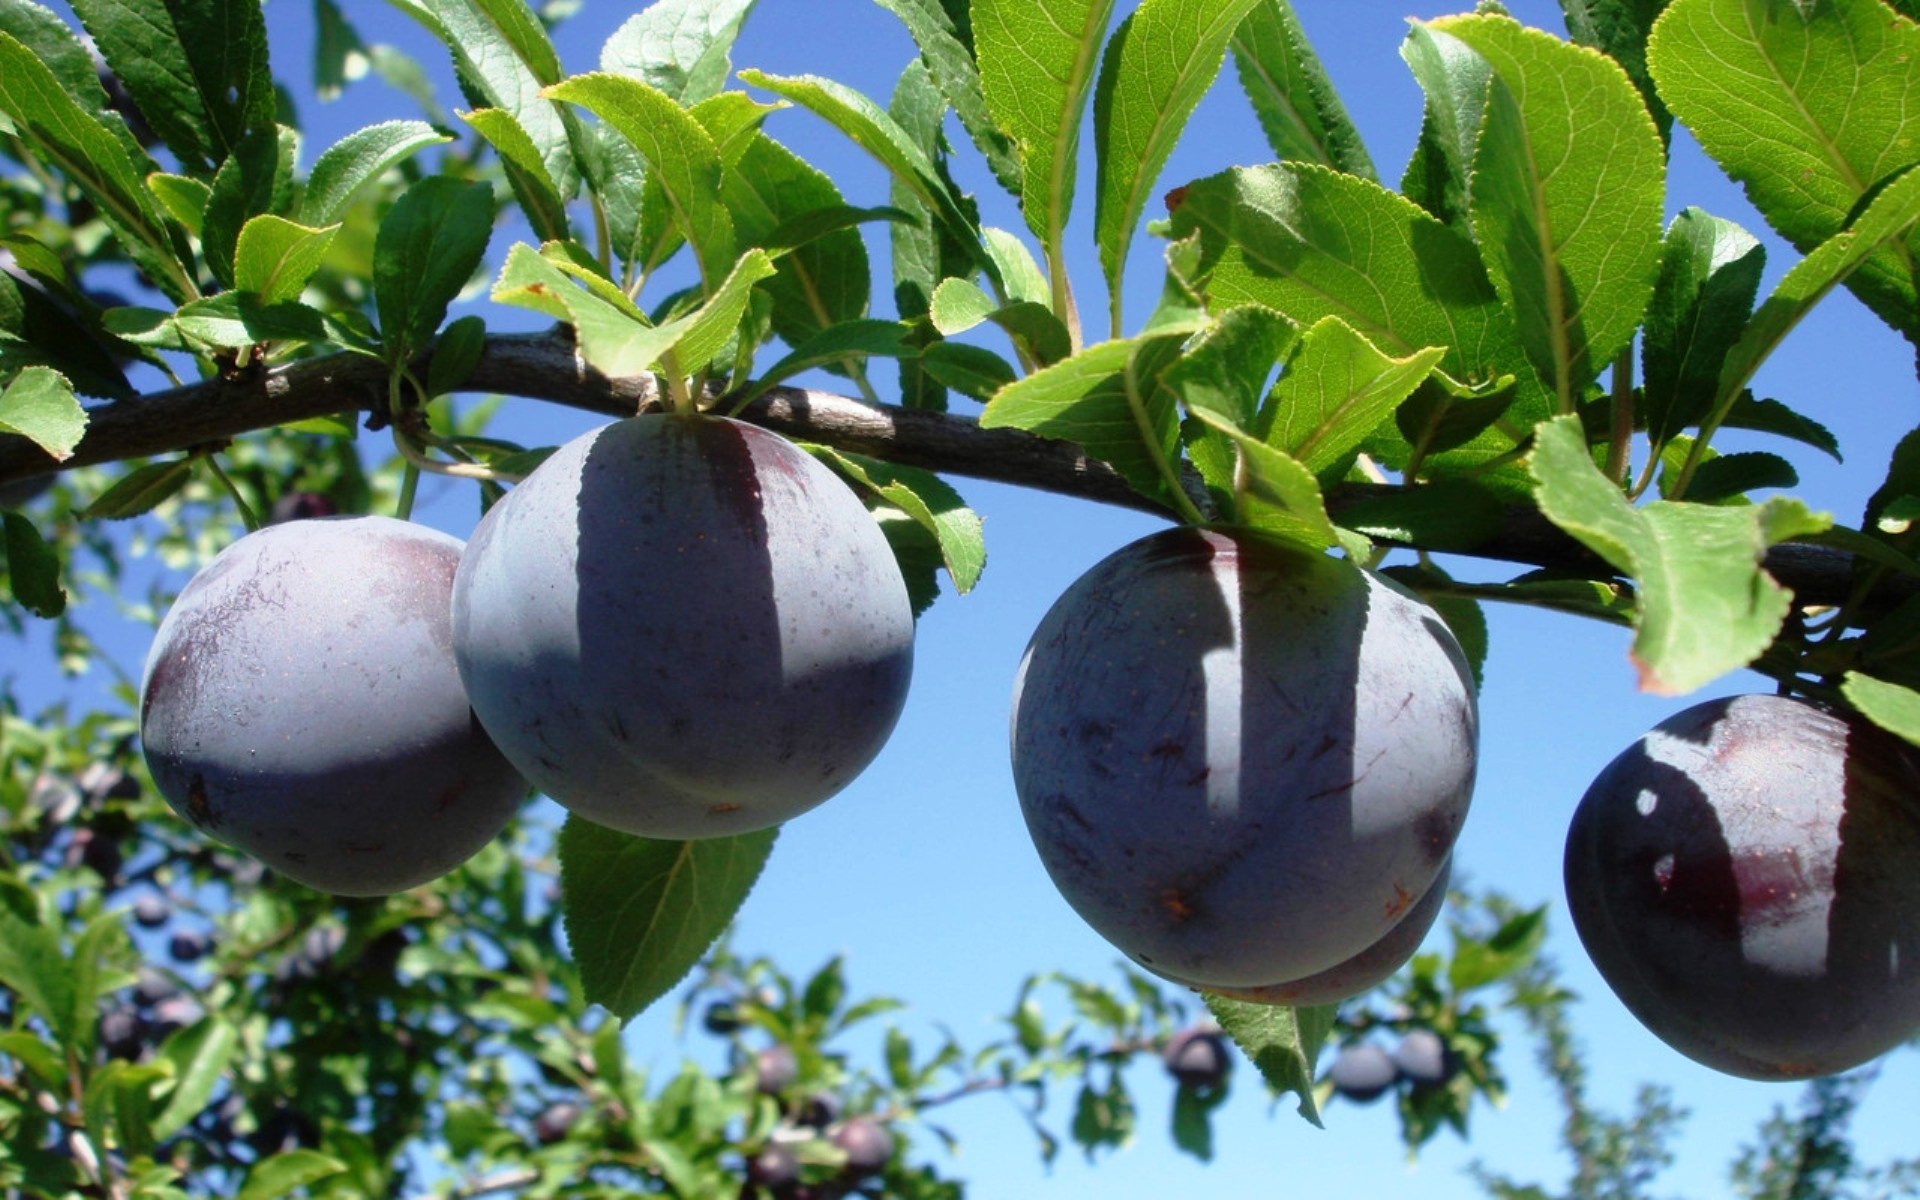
{"x": 1728, "y": 478}
{"x": 1283, "y": 1043}
{"x": 1771, "y": 416}
{"x": 184, "y": 199}
{"x": 287, "y": 1172}
{"x": 680, "y": 154}
{"x": 1566, "y": 197}
{"x": 678, "y": 46}
{"x": 1108, "y": 398}
{"x": 640, "y": 913}
{"x": 1706, "y": 606}
{"x": 198, "y": 72}
{"x": 701, "y": 334}
{"x": 1774, "y": 94}
{"x": 876, "y": 132}
{"x": 850, "y": 340}
{"x": 1159, "y": 64}
{"x": 930, "y": 501}
{"x": 1298, "y": 108}
{"x": 1455, "y": 81}
{"x": 1709, "y": 278}
{"x": 923, "y": 252}
{"x": 33, "y": 574}
{"x": 199, "y": 1056}
{"x": 275, "y": 257}
{"x": 613, "y": 334}
{"x": 822, "y": 277}
{"x": 53, "y": 42}
{"x": 1227, "y": 370}
{"x": 970, "y": 370}
{"x": 140, "y": 490}
{"x": 951, "y": 64}
{"x": 526, "y": 173}
{"x": 40, "y": 406}
{"x": 257, "y": 178}
{"x": 1619, "y": 29}
{"x": 504, "y": 57}
{"x": 1888, "y": 705}
{"x": 1020, "y": 273}
{"x": 32, "y": 963}
{"x": 356, "y": 160}
{"x": 1037, "y": 68}
{"x": 430, "y": 244}
{"x": 1337, "y": 388}
{"x": 1310, "y": 243}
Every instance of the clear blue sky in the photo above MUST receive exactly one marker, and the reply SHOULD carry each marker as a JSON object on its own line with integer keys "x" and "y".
{"x": 921, "y": 873}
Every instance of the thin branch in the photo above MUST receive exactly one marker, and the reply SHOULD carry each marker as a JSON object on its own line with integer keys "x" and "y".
{"x": 544, "y": 366}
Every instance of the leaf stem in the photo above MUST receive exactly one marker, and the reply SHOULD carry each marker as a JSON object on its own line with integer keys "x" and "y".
{"x": 1620, "y": 447}
{"x": 247, "y": 516}
{"x": 1143, "y": 422}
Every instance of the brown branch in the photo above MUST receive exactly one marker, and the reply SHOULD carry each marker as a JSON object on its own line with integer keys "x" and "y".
{"x": 544, "y": 366}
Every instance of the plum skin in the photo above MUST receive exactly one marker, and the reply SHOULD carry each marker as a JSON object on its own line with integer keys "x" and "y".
{"x": 300, "y": 703}
{"x": 1743, "y": 879}
{"x": 1240, "y": 761}
{"x": 683, "y": 627}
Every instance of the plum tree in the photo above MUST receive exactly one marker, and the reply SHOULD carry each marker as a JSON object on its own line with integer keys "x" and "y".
{"x": 1743, "y": 878}
{"x": 1365, "y": 970}
{"x": 683, "y": 627}
{"x": 301, "y": 703}
{"x": 1241, "y": 762}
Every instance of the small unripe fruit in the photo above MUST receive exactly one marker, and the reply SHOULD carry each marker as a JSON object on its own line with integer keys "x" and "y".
{"x": 683, "y": 627}
{"x": 1743, "y": 877}
{"x": 1363, "y": 1073}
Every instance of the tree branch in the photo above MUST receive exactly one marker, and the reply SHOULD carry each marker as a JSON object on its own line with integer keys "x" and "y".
{"x": 544, "y": 366}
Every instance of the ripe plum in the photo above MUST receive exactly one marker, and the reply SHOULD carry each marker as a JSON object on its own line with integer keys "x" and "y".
{"x": 301, "y": 704}
{"x": 683, "y": 627}
{"x": 1743, "y": 877}
{"x": 1241, "y": 762}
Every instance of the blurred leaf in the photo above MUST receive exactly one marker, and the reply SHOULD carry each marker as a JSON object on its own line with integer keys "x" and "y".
{"x": 1772, "y": 96}
{"x": 40, "y": 406}
{"x": 33, "y": 574}
{"x": 640, "y": 913}
{"x": 1161, "y": 61}
{"x": 1705, "y": 605}
{"x": 430, "y": 244}
{"x": 287, "y": 1172}
{"x": 1299, "y": 110}
{"x": 200, "y": 1055}
{"x": 140, "y": 490}
{"x": 1566, "y": 199}
{"x": 32, "y": 962}
{"x": 1283, "y": 1043}
{"x": 1193, "y": 1120}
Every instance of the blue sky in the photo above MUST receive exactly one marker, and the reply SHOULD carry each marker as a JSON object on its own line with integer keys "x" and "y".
{"x": 921, "y": 873}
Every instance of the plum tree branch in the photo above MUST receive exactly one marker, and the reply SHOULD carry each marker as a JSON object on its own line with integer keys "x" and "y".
{"x": 545, "y": 366}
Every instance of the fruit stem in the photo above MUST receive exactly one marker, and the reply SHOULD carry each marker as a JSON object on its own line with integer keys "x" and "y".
{"x": 247, "y": 516}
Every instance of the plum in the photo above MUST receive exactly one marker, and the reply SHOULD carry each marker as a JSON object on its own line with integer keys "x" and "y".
{"x": 774, "y": 1166}
{"x": 1197, "y": 1058}
{"x": 1423, "y": 1059}
{"x": 301, "y": 704}
{"x": 1743, "y": 877}
{"x": 866, "y": 1143}
{"x": 683, "y": 627}
{"x": 1363, "y": 1073}
{"x": 1241, "y": 761}
{"x": 775, "y": 1069}
{"x": 1365, "y": 970}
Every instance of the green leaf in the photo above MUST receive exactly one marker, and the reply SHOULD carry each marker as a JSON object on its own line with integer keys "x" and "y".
{"x": 678, "y": 46}
{"x": 1619, "y": 29}
{"x": 1709, "y": 278}
{"x": 951, "y": 64}
{"x": 1020, "y": 273}
{"x": 613, "y": 334}
{"x": 1296, "y": 104}
{"x": 1161, "y": 61}
{"x": 40, "y": 406}
{"x": 929, "y": 500}
{"x": 1107, "y": 398}
{"x": 970, "y": 370}
{"x": 455, "y": 354}
{"x": 874, "y": 131}
{"x": 1226, "y": 371}
{"x": 1455, "y": 80}
{"x": 1193, "y": 1120}
{"x": 1771, "y": 416}
{"x": 1310, "y": 243}
{"x": 640, "y": 913}
{"x": 539, "y": 196}
{"x": 184, "y": 199}
{"x": 1283, "y": 1043}
{"x": 287, "y": 1172}
{"x": 701, "y": 334}
{"x": 821, "y": 281}
{"x": 1729, "y": 477}
{"x": 199, "y": 1055}
{"x": 224, "y": 323}
{"x": 258, "y": 178}
{"x": 1276, "y": 494}
{"x": 959, "y": 305}
{"x": 1337, "y": 388}
{"x": 430, "y": 244}
{"x": 1774, "y": 93}
{"x": 45, "y": 1062}
{"x": 1454, "y": 515}
{"x": 59, "y": 132}
{"x": 504, "y": 58}
{"x": 923, "y": 251}
{"x": 32, "y": 963}
{"x": 1566, "y": 198}
{"x": 140, "y": 490}
{"x": 50, "y": 39}
{"x": 198, "y": 72}
{"x": 1037, "y": 65}
{"x": 356, "y": 160}
{"x": 1705, "y": 605}
{"x": 275, "y": 257}
{"x": 850, "y": 340}
{"x": 681, "y": 157}
{"x": 1888, "y": 705}
{"x": 33, "y": 573}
